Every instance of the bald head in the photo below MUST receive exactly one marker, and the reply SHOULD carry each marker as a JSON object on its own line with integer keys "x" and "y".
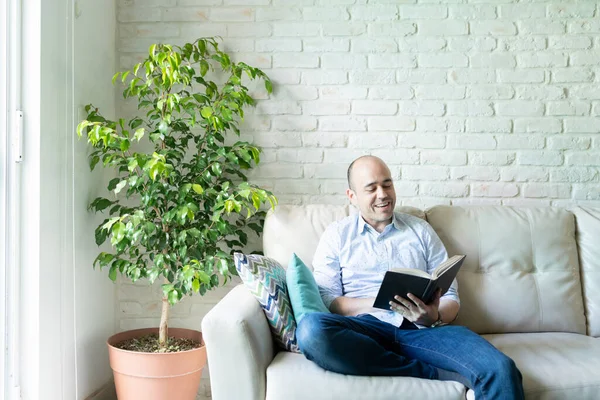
{"x": 362, "y": 161}
{"x": 371, "y": 190}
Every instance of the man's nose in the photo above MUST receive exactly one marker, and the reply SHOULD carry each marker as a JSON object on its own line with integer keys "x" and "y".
{"x": 381, "y": 192}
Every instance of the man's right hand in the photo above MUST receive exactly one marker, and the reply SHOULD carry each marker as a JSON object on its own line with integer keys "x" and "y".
{"x": 417, "y": 311}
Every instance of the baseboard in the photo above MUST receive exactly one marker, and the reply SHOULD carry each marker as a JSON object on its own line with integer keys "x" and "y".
{"x": 106, "y": 392}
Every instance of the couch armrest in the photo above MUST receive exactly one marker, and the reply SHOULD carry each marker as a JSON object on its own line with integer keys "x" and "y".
{"x": 239, "y": 347}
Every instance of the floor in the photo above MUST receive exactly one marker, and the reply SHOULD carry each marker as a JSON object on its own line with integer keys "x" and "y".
{"x": 110, "y": 394}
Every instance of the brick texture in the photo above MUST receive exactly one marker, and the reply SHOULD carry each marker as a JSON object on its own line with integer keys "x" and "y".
{"x": 484, "y": 102}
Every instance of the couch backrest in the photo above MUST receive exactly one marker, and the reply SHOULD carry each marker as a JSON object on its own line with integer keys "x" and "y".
{"x": 588, "y": 242}
{"x": 521, "y": 273}
{"x": 297, "y": 229}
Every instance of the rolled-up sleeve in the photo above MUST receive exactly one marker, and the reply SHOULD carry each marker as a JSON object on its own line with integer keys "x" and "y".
{"x": 437, "y": 254}
{"x": 326, "y": 265}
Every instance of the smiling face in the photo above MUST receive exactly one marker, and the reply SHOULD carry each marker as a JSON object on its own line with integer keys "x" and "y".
{"x": 372, "y": 191}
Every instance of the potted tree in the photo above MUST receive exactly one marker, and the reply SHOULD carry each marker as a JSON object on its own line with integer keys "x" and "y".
{"x": 180, "y": 204}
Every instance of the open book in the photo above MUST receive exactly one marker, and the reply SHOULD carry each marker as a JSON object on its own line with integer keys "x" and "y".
{"x": 400, "y": 281}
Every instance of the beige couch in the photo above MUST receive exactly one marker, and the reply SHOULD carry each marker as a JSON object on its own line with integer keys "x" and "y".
{"x": 530, "y": 285}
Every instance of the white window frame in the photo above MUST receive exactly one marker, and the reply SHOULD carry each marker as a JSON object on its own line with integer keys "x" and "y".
{"x": 10, "y": 44}
{"x": 3, "y": 195}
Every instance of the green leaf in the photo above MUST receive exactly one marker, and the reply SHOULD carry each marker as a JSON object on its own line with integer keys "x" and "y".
{"x": 245, "y": 193}
{"x": 137, "y": 235}
{"x": 154, "y": 136}
{"x": 268, "y": 86}
{"x": 118, "y": 233}
{"x": 166, "y": 288}
{"x": 115, "y": 208}
{"x": 112, "y": 274}
{"x": 200, "y": 98}
{"x": 173, "y": 296}
{"x": 203, "y": 276}
{"x": 149, "y": 228}
{"x": 229, "y": 206}
{"x": 124, "y": 145}
{"x": 222, "y": 227}
{"x": 114, "y": 78}
{"x": 110, "y": 223}
{"x": 197, "y": 188}
{"x": 120, "y": 186}
{"x": 153, "y": 273}
{"x": 81, "y": 126}
{"x": 203, "y": 67}
{"x": 273, "y": 201}
{"x": 256, "y": 228}
{"x": 100, "y": 236}
{"x": 159, "y": 261}
{"x": 112, "y": 184}
{"x": 243, "y": 237}
{"x": 139, "y": 134}
{"x": 134, "y": 274}
{"x": 100, "y": 204}
{"x": 206, "y": 112}
{"x": 134, "y": 123}
{"x": 227, "y": 116}
{"x": 103, "y": 259}
{"x": 183, "y": 211}
{"x": 163, "y": 127}
{"x": 216, "y": 169}
{"x": 93, "y": 161}
{"x": 202, "y": 46}
{"x": 196, "y": 285}
{"x": 255, "y": 154}
{"x": 256, "y": 200}
{"x": 194, "y": 232}
{"x": 223, "y": 266}
{"x": 154, "y": 171}
{"x": 132, "y": 164}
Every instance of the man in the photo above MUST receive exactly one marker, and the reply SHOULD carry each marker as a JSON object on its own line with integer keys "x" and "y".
{"x": 413, "y": 339}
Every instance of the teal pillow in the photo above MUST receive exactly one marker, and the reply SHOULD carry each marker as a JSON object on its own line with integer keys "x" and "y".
{"x": 303, "y": 289}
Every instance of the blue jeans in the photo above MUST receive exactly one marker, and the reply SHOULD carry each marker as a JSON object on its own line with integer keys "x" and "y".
{"x": 364, "y": 345}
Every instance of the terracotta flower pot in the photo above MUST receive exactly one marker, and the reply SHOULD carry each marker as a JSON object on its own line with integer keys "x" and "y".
{"x": 157, "y": 376}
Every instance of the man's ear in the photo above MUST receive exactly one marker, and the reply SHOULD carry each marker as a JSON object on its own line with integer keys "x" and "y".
{"x": 351, "y": 195}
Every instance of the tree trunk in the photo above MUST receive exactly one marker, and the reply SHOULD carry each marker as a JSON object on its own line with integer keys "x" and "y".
{"x": 163, "y": 330}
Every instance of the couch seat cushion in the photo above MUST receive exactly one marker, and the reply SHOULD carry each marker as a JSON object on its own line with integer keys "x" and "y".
{"x": 292, "y": 377}
{"x": 554, "y": 365}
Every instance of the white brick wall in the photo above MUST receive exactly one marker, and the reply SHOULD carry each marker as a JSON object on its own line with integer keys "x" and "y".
{"x": 470, "y": 102}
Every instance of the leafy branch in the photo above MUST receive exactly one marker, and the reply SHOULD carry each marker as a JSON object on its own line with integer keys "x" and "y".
{"x": 193, "y": 204}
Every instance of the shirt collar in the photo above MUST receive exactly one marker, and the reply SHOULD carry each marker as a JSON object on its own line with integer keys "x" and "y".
{"x": 363, "y": 226}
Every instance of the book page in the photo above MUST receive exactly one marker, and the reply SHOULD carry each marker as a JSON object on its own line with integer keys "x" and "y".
{"x": 411, "y": 271}
{"x": 446, "y": 265}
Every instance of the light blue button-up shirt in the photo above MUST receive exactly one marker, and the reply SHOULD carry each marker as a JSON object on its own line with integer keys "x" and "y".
{"x": 352, "y": 257}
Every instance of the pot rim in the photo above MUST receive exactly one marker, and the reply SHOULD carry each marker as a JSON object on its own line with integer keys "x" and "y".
{"x": 114, "y": 348}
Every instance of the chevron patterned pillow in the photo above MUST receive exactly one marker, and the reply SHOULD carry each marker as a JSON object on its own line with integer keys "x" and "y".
{"x": 265, "y": 278}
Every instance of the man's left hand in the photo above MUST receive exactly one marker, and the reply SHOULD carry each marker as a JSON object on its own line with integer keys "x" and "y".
{"x": 415, "y": 310}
